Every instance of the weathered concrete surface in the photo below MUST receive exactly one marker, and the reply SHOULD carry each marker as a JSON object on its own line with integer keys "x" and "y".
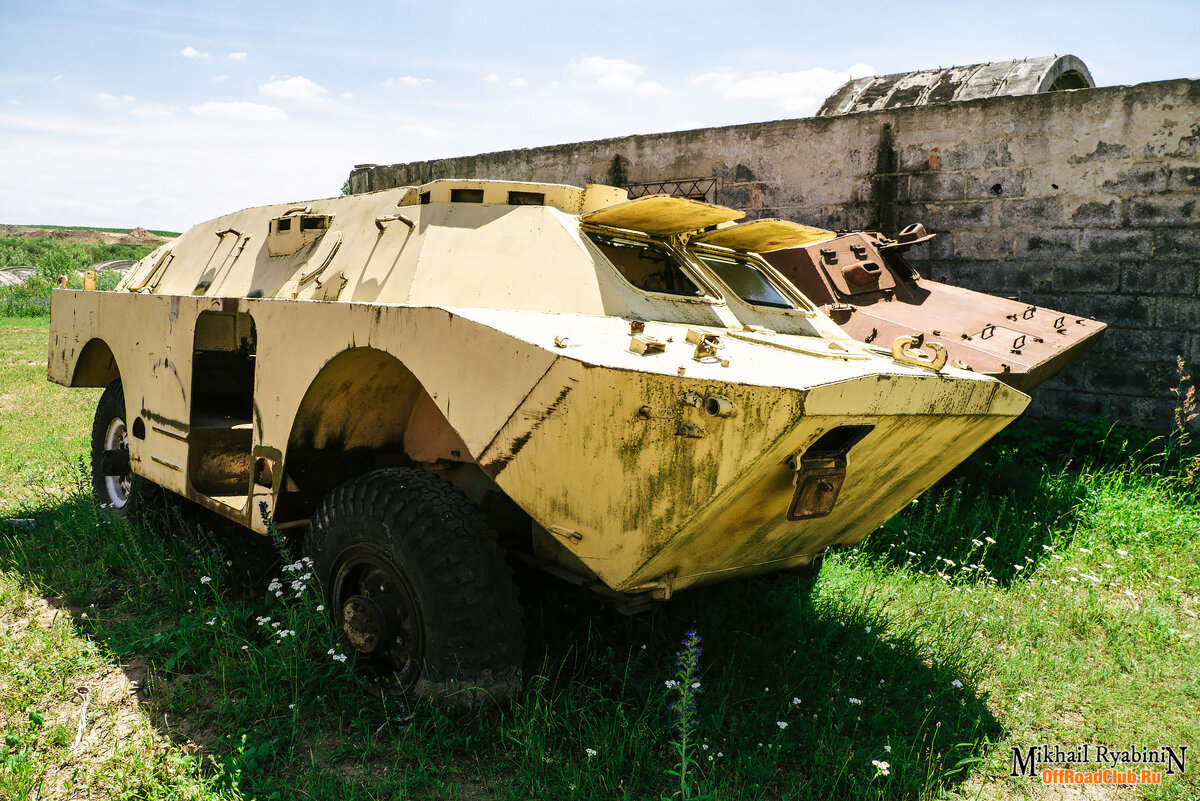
{"x": 1087, "y": 201}
{"x": 1027, "y": 76}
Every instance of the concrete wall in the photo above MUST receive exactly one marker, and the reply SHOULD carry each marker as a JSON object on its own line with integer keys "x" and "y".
{"x": 1085, "y": 201}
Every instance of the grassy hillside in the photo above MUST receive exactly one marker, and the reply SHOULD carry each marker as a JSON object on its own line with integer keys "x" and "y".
{"x": 1046, "y": 592}
{"x": 105, "y": 230}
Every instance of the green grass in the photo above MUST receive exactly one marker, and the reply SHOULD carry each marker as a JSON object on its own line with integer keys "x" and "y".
{"x": 51, "y": 258}
{"x": 1077, "y": 624}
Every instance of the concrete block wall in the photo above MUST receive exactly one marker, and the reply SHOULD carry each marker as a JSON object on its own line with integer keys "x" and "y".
{"x": 1086, "y": 201}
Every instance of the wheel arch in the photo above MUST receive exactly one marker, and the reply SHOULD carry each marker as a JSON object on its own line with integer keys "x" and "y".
{"x": 96, "y": 365}
{"x": 359, "y": 413}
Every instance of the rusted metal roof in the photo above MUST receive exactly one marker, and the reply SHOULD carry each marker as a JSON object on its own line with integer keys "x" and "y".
{"x": 942, "y": 85}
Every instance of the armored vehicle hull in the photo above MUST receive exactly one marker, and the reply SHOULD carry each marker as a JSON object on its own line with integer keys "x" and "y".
{"x": 623, "y": 389}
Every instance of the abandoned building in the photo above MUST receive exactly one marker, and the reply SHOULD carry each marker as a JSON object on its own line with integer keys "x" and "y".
{"x": 1039, "y": 185}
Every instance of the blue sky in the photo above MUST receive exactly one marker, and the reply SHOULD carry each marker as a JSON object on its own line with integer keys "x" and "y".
{"x": 165, "y": 114}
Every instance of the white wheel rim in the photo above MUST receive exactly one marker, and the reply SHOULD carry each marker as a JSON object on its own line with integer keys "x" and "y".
{"x": 117, "y": 487}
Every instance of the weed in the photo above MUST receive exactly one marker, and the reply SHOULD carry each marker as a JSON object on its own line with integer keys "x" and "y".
{"x": 686, "y": 688}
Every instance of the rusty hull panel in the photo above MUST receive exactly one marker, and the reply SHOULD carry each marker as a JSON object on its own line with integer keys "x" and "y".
{"x": 864, "y": 284}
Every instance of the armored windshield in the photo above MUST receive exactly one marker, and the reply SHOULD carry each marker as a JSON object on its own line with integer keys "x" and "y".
{"x": 745, "y": 278}
{"x": 647, "y": 265}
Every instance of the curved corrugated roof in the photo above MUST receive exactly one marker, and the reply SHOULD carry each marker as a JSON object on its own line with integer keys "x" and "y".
{"x": 1019, "y": 77}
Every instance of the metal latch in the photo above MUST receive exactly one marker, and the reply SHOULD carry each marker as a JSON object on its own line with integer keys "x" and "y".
{"x": 908, "y": 350}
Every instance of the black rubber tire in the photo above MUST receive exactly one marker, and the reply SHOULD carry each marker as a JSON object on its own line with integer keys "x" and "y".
{"x": 440, "y": 548}
{"x": 140, "y": 494}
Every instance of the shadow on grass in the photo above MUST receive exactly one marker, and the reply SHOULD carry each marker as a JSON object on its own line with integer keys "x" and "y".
{"x": 995, "y": 517}
{"x": 804, "y": 687}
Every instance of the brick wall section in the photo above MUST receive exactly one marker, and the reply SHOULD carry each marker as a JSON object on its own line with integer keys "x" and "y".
{"x": 1085, "y": 201}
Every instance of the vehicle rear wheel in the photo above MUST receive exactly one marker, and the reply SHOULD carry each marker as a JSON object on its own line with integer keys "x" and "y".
{"x": 116, "y": 489}
{"x": 419, "y": 587}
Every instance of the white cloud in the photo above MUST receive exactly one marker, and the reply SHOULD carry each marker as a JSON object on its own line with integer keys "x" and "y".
{"x": 56, "y": 79}
{"x": 150, "y": 110}
{"x": 219, "y": 79}
{"x": 615, "y": 74}
{"x": 112, "y": 101}
{"x": 491, "y": 77}
{"x": 517, "y": 83}
{"x": 237, "y": 110}
{"x": 794, "y": 92}
{"x": 299, "y": 88}
{"x": 191, "y": 52}
{"x": 346, "y": 95}
{"x": 407, "y": 80}
{"x": 237, "y": 56}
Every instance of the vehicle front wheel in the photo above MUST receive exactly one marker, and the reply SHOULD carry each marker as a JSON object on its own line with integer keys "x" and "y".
{"x": 116, "y": 489}
{"x": 419, "y": 587}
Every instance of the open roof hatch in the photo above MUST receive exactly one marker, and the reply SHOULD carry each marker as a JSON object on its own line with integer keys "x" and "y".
{"x": 764, "y": 236}
{"x": 662, "y": 215}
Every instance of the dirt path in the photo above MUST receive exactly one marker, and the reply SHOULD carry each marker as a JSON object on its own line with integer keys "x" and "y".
{"x": 138, "y": 236}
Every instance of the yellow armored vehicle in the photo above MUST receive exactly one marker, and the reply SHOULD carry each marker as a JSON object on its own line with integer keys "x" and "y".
{"x": 623, "y": 390}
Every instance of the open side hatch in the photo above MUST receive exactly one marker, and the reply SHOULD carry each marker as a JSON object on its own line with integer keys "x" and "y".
{"x": 220, "y": 436}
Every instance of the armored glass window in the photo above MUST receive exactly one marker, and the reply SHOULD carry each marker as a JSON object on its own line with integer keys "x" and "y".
{"x": 526, "y": 198}
{"x": 647, "y": 265}
{"x": 466, "y": 195}
{"x": 746, "y": 280}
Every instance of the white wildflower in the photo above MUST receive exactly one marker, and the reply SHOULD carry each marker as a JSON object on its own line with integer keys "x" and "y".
{"x": 989, "y": 540}
{"x": 957, "y": 683}
{"x": 887, "y": 748}
{"x": 671, "y": 684}
{"x": 591, "y": 752}
{"x": 782, "y": 724}
{"x": 320, "y": 607}
{"x": 881, "y": 768}
{"x": 695, "y": 685}
{"x": 205, "y": 579}
{"x": 856, "y": 701}
{"x": 795, "y": 702}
